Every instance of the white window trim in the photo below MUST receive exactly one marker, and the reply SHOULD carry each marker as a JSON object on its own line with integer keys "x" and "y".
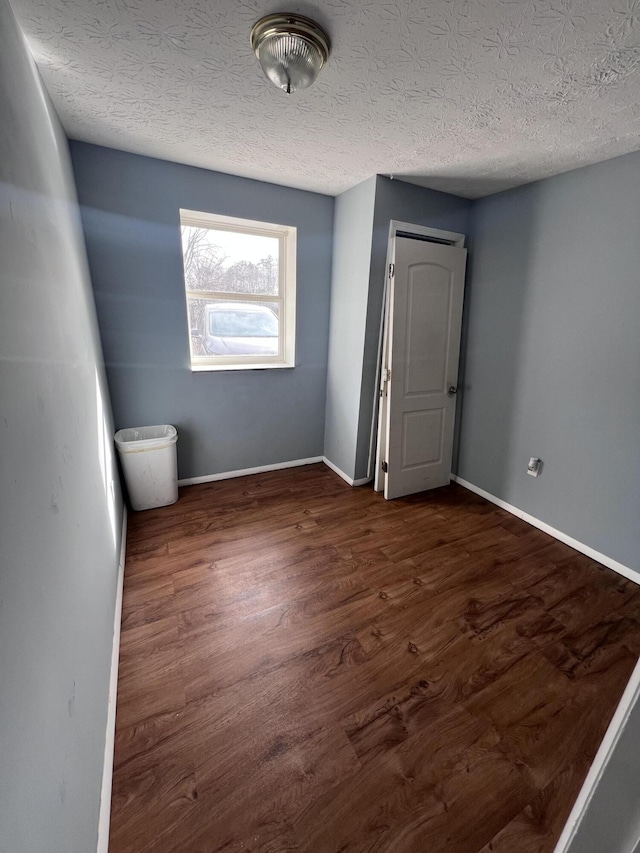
{"x": 287, "y": 235}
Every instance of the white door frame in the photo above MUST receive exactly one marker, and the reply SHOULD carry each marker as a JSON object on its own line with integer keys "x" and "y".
{"x": 452, "y": 238}
{"x": 396, "y": 227}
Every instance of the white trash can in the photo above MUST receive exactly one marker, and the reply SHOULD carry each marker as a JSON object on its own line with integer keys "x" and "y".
{"x": 149, "y": 461}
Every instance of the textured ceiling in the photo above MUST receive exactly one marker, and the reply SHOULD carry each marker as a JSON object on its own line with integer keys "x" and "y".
{"x": 467, "y": 96}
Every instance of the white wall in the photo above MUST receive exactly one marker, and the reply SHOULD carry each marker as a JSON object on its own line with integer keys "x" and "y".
{"x": 60, "y": 505}
{"x": 606, "y": 816}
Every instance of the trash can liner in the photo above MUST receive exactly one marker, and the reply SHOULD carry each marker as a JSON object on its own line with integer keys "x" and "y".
{"x": 135, "y": 439}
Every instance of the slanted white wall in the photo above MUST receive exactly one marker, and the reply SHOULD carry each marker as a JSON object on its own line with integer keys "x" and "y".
{"x": 606, "y": 815}
{"x": 60, "y": 504}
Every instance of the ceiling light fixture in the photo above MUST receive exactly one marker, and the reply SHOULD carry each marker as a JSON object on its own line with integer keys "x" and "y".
{"x": 291, "y": 50}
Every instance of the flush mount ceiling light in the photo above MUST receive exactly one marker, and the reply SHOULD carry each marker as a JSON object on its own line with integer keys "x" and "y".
{"x": 291, "y": 50}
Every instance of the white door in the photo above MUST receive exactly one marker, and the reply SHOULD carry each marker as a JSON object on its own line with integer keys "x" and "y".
{"x": 423, "y": 349}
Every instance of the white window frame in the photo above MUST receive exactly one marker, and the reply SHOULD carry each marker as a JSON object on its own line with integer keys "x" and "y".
{"x": 286, "y": 296}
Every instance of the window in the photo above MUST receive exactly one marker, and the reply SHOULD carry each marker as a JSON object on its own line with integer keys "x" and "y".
{"x": 240, "y": 284}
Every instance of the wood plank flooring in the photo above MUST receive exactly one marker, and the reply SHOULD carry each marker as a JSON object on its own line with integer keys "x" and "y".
{"x": 307, "y": 667}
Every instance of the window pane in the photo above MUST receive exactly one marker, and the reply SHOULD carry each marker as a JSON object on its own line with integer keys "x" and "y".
{"x": 233, "y": 328}
{"x": 196, "y": 325}
{"x": 230, "y": 262}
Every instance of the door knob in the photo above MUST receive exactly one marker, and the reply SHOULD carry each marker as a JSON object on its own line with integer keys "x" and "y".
{"x": 453, "y": 390}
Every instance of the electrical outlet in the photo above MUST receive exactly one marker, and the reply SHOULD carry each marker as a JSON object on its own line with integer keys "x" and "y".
{"x": 534, "y": 467}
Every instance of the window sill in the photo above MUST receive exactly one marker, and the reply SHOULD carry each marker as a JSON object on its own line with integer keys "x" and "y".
{"x": 207, "y": 368}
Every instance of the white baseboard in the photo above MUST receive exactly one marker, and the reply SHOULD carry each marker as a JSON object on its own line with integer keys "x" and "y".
{"x": 625, "y": 571}
{"x": 630, "y": 697}
{"x": 245, "y": 472}
{"x": 345, "y": 477}
{"x": 107, "y": 772}
{"x": 294, "y": 463}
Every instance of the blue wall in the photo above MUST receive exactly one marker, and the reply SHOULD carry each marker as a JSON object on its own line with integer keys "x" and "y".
{"x": 363, "y": 214}
{"x": 60, "y": 501}
{"x": 348, "y": 328}
{"x": 226, "y": 420}
{"x": 552, "y": 354}
{"x": 418, "y": 206}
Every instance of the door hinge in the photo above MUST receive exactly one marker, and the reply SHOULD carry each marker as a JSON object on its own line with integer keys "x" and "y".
{"x": 386, "y": 374}
{"x": 385, "y": 467}
{"x": 392, "y": 270}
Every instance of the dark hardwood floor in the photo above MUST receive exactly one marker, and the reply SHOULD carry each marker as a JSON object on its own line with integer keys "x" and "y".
{"x": 307, "y": 667}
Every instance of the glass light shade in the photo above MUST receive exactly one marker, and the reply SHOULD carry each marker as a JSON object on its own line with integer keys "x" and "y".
{"x": 291, "y": 50}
